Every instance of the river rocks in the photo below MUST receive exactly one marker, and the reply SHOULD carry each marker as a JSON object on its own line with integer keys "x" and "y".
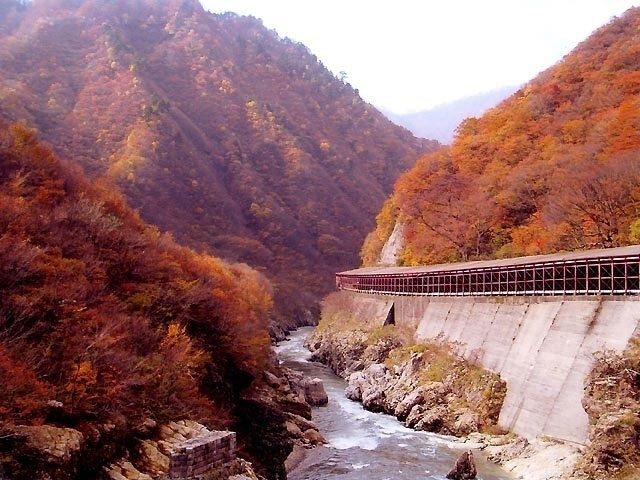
{"x": 314, "y": 392}
{"x": 405, "y": 406}
{"x": 427, "y": 386}
{"x": 428, "y": 419}
{"x": 57, "y": 445}
{"x": 539, "y": 459}
{"x": 467, "y": 422}
{"x": 303, "y": 431}
{"x": 343, "y": 354}
{"x": 293, "y": 429}
{"x": 464, "y": 468}
{"x": 314, "y": 437}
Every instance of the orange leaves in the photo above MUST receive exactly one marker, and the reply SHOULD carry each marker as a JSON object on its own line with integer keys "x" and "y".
{"x": 553, "y": 167}
{"x": 119, "y": 318}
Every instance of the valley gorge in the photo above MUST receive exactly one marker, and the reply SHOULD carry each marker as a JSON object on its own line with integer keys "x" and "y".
{"x": 183, "y": 192}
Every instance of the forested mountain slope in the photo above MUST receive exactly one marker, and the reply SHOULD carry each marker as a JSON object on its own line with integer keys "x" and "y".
{"x": 216, "y": 129}
{"x": 106, "y": 323}
{"x": 554, "y": 167}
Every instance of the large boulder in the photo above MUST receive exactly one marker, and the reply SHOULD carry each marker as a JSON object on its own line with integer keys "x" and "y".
{"x": 404, "y": 407}
{"x": 467, "y": 422}
{"x": 314, "y": 437}
{"x": 52, "y": 451}
{"x": 314, "y": 392}
{"x": 464, "y": 468}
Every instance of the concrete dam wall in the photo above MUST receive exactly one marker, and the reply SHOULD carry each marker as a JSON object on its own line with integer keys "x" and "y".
{"x": 543, "y": 347}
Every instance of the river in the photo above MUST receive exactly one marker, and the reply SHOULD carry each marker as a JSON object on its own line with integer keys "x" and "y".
{"x": 365, "y": 445}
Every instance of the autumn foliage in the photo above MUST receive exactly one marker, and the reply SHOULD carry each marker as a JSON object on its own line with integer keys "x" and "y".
{"x": 107, "y": 316}
{"x": 216, "y": 129}
{"x": 554, "y": 167}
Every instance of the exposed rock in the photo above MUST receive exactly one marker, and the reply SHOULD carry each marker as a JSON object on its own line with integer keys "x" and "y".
{"x": 153, "y": 455}
{"x": 432, "y": 420}
{"x": 314, "y": 392}
{"x": 537, "y": 460}
{"x": 467, "y": 422}
{"x": 302, "y": 423}
{"x": 272, "y": 380}
{"x": 464, "y": 468}
{"x": 152, "y": 460}
{"x": 54, "y": 452}
{"x": 56, "y": 444}
{"x": 146, "y": 427}
{"x": 403, "y": 409}
{"x": 293, "y": 429}
{"x": 314, "y": 437}
{"x": 612, "y": 402}
{"x": 295, "y": 457}
{"x": 427, "y": 386}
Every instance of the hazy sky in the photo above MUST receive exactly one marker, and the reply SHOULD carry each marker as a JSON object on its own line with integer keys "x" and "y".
{"x": 410, "y": 55}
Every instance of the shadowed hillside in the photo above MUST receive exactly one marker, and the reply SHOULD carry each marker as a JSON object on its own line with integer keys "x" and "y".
{"x": 106, "y": 324}
{"x": 235, "y": 140}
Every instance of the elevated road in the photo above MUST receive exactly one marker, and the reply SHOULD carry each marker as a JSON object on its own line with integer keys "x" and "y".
{"x": 610, "y": 271}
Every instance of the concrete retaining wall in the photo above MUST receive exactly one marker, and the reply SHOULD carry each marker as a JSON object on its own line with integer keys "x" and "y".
{"x": 541, "y": 346}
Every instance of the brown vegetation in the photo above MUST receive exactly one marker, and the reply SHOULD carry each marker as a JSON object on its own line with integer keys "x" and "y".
{"x": 105, "y": 321}
{"x": 235, "y": 140}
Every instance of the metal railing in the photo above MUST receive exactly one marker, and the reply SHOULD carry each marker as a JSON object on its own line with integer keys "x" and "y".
{"x": 592, "y": 276}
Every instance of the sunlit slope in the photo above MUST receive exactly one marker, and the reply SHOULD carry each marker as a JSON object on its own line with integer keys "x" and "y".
{"x": 554, "y": 167}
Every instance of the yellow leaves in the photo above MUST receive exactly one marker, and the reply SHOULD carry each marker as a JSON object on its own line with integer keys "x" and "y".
{"x": 574, "y": 131}
{"x": 22, "y": 136}
{"x": 634, "y": 232}
{"x": 226, "y": 87}
{"x": 174, "y": 330}
{"x": 259, "y": 212}
{"x": 85, "y": 372}
{"x": 325, "y": 146}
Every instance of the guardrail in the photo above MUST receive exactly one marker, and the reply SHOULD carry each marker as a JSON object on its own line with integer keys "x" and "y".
{"x": 590, "y": 276}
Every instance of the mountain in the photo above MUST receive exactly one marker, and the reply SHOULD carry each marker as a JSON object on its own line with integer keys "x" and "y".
{"x": 107, "y": 324}
{"x": 441, "y": 121}
{"x": 217, "y": 130}
{"x": 554, "y": 167}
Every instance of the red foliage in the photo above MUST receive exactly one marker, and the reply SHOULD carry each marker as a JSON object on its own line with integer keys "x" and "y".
{"x": 235, "y": 140}
{"x": 108, "y": 316}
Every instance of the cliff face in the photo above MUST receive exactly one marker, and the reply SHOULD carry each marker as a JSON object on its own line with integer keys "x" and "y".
{"x": 612, "y": 401}
{"x": 235, "y": 140}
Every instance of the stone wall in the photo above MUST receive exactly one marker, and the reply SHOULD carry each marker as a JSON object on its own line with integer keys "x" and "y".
{"x": 542, "y": 347}
{"x": 200, "y": 456}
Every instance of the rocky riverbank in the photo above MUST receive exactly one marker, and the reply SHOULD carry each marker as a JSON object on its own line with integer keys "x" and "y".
{"x": 428, "y": 387}
{"x": 273, "y": 419}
